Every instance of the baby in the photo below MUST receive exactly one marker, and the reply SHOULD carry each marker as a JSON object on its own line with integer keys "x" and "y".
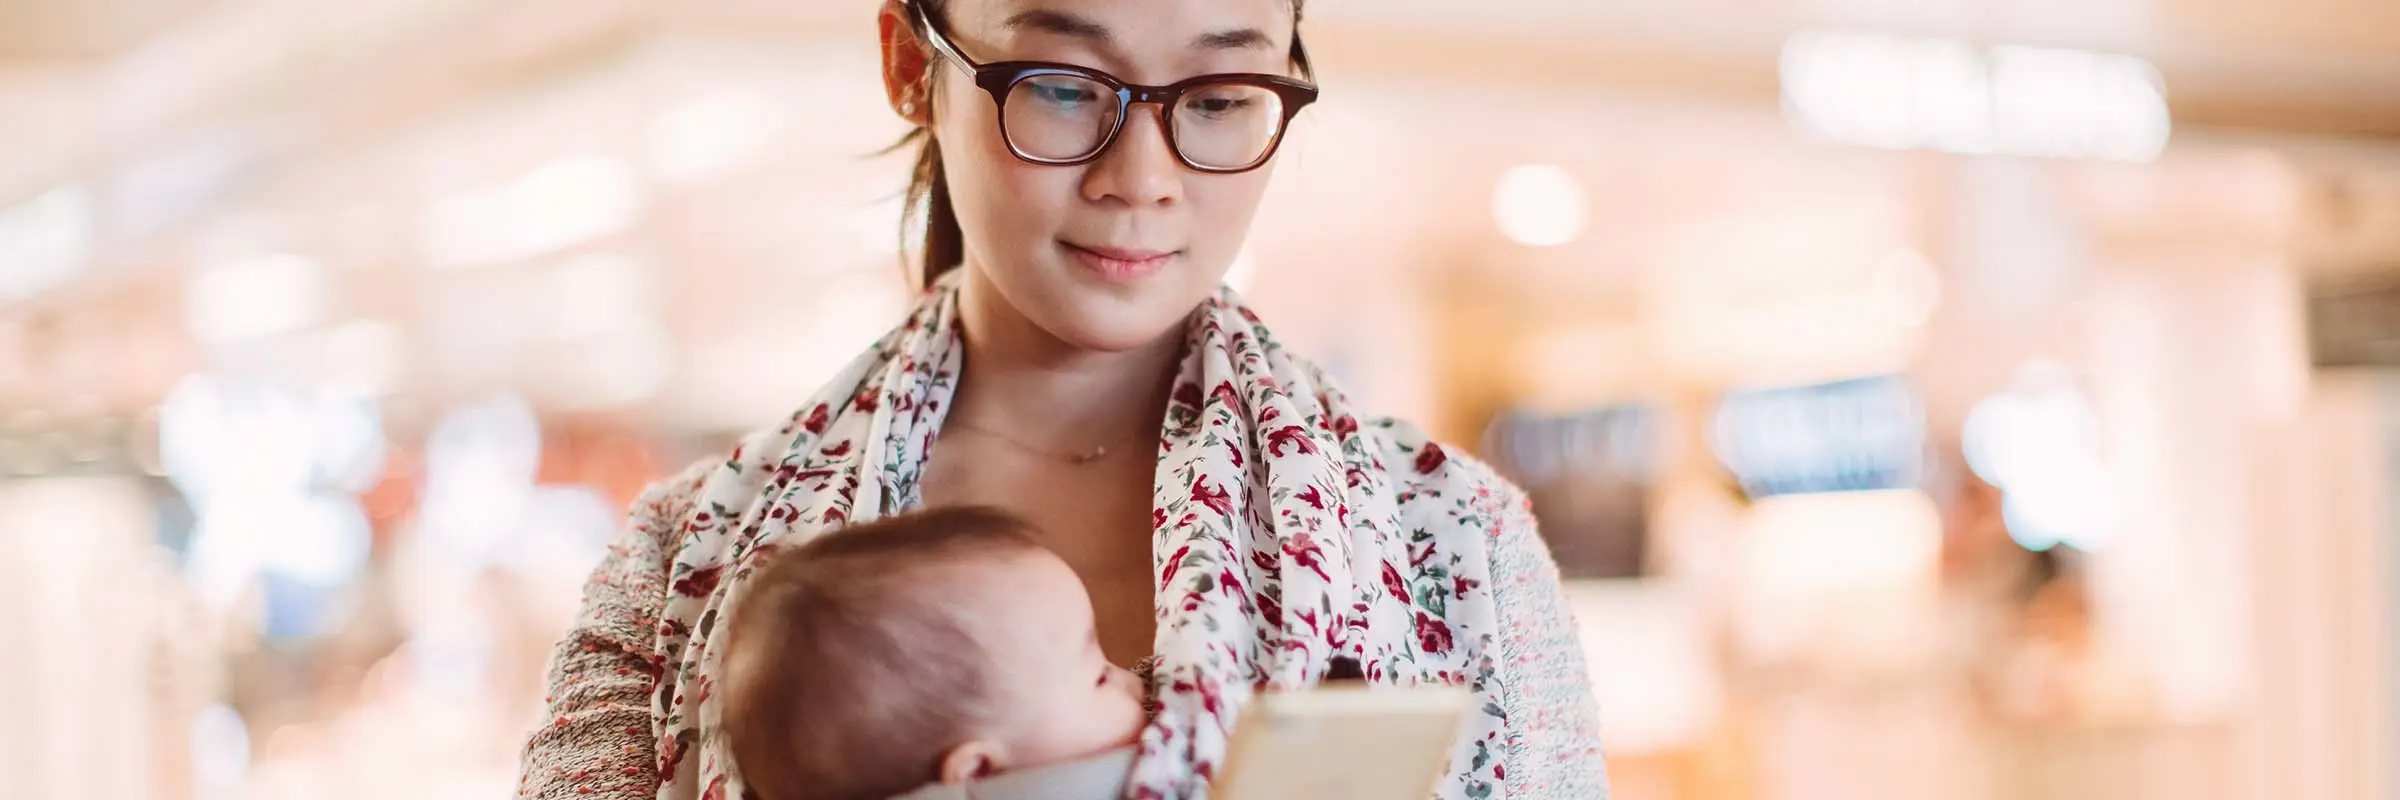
{"x": 944, "y": 647}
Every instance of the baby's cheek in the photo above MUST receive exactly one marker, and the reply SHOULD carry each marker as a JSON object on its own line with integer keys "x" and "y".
{"x": 1134, "y": 711}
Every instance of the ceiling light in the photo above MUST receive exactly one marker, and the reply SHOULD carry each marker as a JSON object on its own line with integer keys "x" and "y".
{"x": 1539, "y": 206}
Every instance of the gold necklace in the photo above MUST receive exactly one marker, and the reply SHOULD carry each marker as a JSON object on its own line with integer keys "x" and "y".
{"x": 1074, "y": 459}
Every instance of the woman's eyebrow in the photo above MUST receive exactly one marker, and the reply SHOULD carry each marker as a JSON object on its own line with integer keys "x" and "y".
{"x": 1233, "y": 39}
{"x": 1058, "y": 22}
{"x": 1069, "y": 24}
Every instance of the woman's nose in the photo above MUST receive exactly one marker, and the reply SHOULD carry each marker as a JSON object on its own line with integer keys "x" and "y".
{"x": 1139, "y": 168}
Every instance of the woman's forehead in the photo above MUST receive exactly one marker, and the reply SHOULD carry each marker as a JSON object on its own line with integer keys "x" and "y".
{"x": 1131, "y": 27}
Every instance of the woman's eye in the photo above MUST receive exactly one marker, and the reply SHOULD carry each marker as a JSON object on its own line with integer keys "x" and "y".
{"x": 1065, "y": 95}
{"x": 1221, "y": 106}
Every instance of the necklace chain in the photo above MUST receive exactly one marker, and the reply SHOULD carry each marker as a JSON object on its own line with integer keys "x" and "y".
{"x": 1096, "y": 453}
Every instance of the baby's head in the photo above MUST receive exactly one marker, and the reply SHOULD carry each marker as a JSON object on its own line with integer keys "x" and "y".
{"x": 942, "y": 645}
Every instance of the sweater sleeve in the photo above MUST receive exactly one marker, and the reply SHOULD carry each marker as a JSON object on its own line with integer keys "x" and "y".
{"x": 1552, "y": 751}
{"x": 598, "y": 739}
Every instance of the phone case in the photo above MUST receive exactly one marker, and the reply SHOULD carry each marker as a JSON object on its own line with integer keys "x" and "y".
{"x": 1348, "y": 743}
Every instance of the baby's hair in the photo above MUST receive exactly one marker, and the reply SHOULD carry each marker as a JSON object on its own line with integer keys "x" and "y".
{"x": 848, "y": 674}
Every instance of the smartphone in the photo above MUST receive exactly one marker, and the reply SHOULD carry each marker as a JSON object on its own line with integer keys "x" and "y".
{"x": 1349, "y": 742}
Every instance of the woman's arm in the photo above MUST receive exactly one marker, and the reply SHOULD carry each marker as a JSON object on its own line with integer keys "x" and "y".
{"x": 598, "y": 740}
{"x": 1553, "y": 745}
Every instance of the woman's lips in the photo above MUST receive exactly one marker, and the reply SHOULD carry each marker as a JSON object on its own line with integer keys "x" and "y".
{"x": 1119, "y": 263}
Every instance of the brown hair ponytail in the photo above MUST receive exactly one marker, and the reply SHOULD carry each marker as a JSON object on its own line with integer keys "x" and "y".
{"x": 943, "y": 244}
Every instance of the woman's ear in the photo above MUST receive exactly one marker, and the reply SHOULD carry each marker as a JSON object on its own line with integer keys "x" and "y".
{"x": 904, "y": 64}
{"x": 975, "y": 759}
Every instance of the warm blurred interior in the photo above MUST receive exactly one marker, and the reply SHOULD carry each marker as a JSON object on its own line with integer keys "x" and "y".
{"x": 1977, "y": 399}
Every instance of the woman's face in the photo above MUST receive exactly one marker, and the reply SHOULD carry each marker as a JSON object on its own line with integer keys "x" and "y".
{"x": 1113, "y": 254}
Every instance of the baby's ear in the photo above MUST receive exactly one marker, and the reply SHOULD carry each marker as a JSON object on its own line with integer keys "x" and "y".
{"x": 972, "y": 760}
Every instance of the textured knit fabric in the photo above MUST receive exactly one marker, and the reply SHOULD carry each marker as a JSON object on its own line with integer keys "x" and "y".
{"x": 1287, "y": 531}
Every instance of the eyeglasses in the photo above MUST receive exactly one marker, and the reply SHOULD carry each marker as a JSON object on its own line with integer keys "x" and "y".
{"x": 1062, "y": 115}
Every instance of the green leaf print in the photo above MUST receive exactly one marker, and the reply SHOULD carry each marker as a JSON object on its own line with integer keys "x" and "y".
{"x": 1432, "y": 598}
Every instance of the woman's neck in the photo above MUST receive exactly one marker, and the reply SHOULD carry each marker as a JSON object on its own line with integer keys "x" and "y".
{"x": 1048, "y": 392}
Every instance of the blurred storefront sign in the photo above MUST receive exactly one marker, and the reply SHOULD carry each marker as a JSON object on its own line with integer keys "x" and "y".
{"x": 1866, "y": 434}
{"x": 2355, "y": 325}
{"x": 1947, "y": 95}
{"x": 1589, "y": 477}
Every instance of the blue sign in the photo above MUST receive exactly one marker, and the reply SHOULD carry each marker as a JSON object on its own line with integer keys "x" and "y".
{"x": 1848, "y": 436}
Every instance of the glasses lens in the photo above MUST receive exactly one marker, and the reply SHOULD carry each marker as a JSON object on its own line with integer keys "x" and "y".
{"x": 1227, "y": 125}
{"x": 1059, "y": 117}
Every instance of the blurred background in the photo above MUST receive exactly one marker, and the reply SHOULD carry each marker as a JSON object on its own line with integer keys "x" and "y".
{"x": 1975, "y": 399}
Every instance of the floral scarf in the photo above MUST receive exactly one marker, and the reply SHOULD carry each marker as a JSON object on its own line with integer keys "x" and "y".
{"x": 1277, "y": 534}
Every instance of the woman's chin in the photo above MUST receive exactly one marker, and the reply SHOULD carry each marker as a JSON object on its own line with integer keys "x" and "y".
{"x": 1106, "y": 319}
{"x": 1115, "y": 331}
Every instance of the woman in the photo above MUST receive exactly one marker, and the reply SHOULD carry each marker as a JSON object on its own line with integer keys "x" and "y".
{"x": 1089, "y": 169}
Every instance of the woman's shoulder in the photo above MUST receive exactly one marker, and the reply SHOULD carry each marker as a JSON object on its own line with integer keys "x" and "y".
{"x": 710, "y": 479}
{"x": 1431, "y": 477}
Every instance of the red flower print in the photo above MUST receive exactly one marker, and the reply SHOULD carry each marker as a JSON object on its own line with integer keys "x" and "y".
{"x": 1158, "y": 518}
{"x": 1433, "y": 635}
{"x": 1461, "y": 585}
{"x": 699, "y": 582}
{"x": 1225, "y": 393}
{"x": 1392, "y": 582}
{"x": 1234, "y": 450}
{"x": 1292, "y": 435}
{"x": 716, "y": 789}
{"x": 1431, "y": 458}
{"x": 672, "y": 750}
{"x": 1345, "y": 425}
{"x": 1269, "y": 414}
{"x": 1229, "y": 582}
{"x": 1174, "y": 564}
{"x": 817, "y": 418}
{"x": 1187, "y": 394}
{"x": 1214, "y": 498}
{"x": 1305, "y": 552}
{"x": 866, "y": 401}
{"x": 1315, "y": 499}
{"x": 1269, "y": 610}
{"x": 837, "y": 451}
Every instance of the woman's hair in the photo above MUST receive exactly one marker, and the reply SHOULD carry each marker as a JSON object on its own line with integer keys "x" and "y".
{"x": 943, "y": 243}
